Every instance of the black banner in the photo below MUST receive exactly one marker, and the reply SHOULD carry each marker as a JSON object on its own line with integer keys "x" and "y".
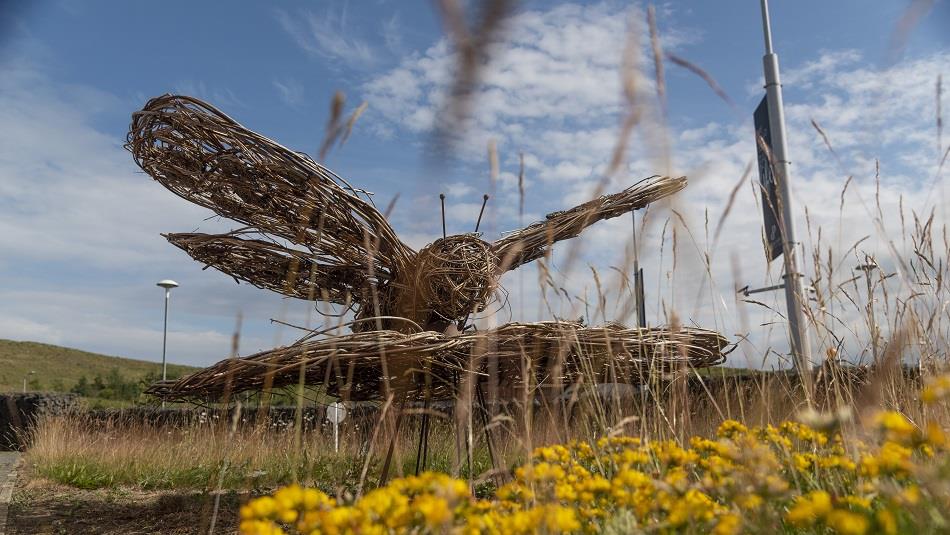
{"x": 770, "y": 206}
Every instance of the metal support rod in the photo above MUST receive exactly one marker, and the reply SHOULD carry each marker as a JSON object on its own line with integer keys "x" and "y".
{"x": 425, "y": 445}
{"x": 747, "y": 292}
{"x": 486, "y": 421}
{"x": 641, "y": 305}
{"x": 638, "y": 276}
{"x": 794, "y": 296}
{"x": 442, "y": 199}
{"x": 423, "y": 438}
{"x": 384, "y": 474}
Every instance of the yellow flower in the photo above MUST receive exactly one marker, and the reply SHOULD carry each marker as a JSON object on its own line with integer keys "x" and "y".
{"x": 848, "y": 523}
{"x": 338, "y": 519}
{"x": 694, "y": 506}
{"x": 259, "y": 527}
{"x": 561, "y": 519}
{"x": 837, "y": 461}
{"x": 857, "y": 501}
{"x": 677, "y": 479}
{"x": 896, "y": 427}
{"x": 805, "y": 462}
{"x": 935, "y": 436}
{"x": 886, "y": 521}
{"x": 731, "y": 429}
{"x": 434, "y": 510}
{"x": 750, "y": 501}
{"x": 721, "y": 486}
{"x": 542, "y": 472}
{"x": 909, "y": 496}
{"x": 314, "y": 499}
{"x": 809, "y": 508}
{"x": 803, "y": 432}
{"x": 263, "y": 507}
{"x": 894, "y": 458}
{"x": 937, "y": 389}
{"x": 869, "y": 466}
{"x": 729, "y": 524}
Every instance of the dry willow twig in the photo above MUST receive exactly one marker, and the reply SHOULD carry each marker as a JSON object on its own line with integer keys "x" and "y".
{"x": 313, "y": 236}
{"x": 209, "y": 159}
{"x": 534, "y": 239}
{"x": 428, "y": 361}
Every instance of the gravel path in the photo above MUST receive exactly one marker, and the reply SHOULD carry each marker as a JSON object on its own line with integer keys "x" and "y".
{"x": 8, "y": 463}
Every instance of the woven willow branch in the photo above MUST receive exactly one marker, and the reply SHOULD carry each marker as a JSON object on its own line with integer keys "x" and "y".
{"x": 311, "y": 235}
{"x": 531, "y": 243}
{"x": 427, "y": 363}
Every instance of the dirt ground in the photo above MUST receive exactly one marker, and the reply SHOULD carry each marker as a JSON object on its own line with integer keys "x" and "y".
{"x": 43, "y": 507}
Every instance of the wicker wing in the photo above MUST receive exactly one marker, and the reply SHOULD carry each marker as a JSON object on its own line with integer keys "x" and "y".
{"x": 427, "y": 363}
{"x": 271, "y": 266}
{"x": 206, "y": 157}
{"x": 562, "y": 354}
{"x": 349, "y": 366}
{"x": 532, "y": 242}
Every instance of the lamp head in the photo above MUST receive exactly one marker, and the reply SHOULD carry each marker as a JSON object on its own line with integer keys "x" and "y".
{"x": 167, "y": 284}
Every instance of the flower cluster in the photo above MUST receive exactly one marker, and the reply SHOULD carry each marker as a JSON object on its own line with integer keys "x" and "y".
{"x": 744, "y": 479}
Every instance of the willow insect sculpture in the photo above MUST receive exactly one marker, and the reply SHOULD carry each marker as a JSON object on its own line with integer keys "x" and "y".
{"x": 310, "y": 235}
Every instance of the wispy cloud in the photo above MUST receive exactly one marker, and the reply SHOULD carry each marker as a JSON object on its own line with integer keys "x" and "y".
{"x": 392, "y": 34}
{"x": 290, "y": 91}
{"x": 327, "y": 36}
{"x": 221, "y": 97}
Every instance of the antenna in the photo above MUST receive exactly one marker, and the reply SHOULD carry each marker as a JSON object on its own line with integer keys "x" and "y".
{"x": 442, "y": 198}
{"x": 484, "y": 202}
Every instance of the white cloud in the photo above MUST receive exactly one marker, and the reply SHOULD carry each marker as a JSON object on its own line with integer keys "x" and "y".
{"x": 392, "y": 33}
{"x": 553, "y": 91}
{"x": 290, "y": 91}
{"x": 327, "y": 35}
{"x": 560, "y": 62}
{"x": 80, "y": 237}
{"x": 459, "y": 189}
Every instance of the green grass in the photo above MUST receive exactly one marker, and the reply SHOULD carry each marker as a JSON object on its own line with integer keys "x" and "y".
{"x": 59, "y": 368}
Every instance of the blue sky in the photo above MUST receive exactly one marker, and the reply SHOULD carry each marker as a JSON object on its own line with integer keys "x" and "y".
{"x": 79, "y": 227}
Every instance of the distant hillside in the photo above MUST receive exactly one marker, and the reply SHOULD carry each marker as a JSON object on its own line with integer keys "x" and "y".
{"x": 60, "y": 368}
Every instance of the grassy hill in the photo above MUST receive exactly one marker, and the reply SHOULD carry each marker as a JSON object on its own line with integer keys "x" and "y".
{"x": 60, "y": 368}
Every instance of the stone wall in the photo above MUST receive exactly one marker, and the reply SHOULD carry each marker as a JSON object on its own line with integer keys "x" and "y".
{"x": 19, "y": 411}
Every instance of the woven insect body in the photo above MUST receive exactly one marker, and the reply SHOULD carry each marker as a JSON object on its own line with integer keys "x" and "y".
{"x": 310, "y": 235}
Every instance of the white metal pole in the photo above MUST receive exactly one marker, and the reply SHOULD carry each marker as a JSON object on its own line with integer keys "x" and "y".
{"x": 794, "y": 295}
{"x": 336, "y": 437}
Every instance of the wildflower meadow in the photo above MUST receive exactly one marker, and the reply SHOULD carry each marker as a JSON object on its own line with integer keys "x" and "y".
{"x": 891, "y": 477}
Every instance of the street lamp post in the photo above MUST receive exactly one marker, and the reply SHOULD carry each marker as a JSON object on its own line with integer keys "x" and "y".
{"x": 168, "y": 284}
{"x": 867, "y": 267}
{"x": 32, "y": 372}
